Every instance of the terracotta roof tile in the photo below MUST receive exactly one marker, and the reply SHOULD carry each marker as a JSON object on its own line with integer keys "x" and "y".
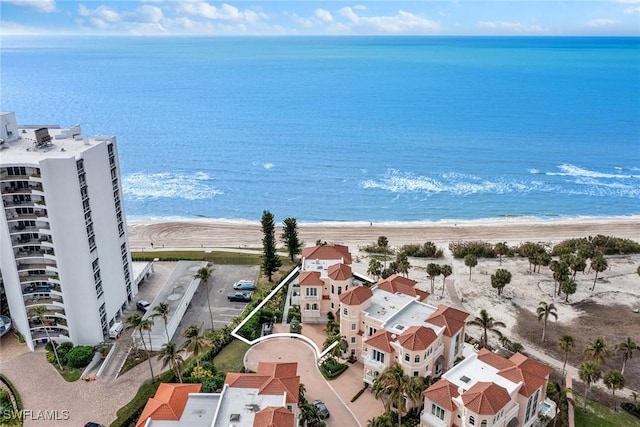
{"x": 531, "y": 373}
{"x": 532, "y": 366}
{"x": 441, "y": 393}
{"x": 417, "y": 338}
{"x": 340, "y": 272}
{"x": 450, "y": 318}
{"x": 278, "y": 369}
{"x": 356, "y": 295}
{"x": 271, "y": 378}
{"x": 485, "y": 398}
{"x": 381, "y": 340}
{"x": 168, "y": 403}
{"x": 274, "y": 416}
{"x": 310, "y": 278}
{"x": 397, "y": 283}
{"x": 494, "y": 360}
{"x": 328, "y": 252}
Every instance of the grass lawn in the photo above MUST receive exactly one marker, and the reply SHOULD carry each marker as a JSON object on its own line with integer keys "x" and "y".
{"x": 598, "y": 415}
{"x": 70, "y": 374}
{"x": 231, "y": 358}
{"x": 222, "y": 258}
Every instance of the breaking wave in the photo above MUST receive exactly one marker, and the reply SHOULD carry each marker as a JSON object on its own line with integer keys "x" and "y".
{"x": 169, "y": 185}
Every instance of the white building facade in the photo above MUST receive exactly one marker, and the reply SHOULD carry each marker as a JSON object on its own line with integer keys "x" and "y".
{"x": 63, "y": 234}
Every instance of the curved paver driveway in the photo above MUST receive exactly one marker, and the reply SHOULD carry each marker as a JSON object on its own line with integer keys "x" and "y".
{"x": 292, "y": 350}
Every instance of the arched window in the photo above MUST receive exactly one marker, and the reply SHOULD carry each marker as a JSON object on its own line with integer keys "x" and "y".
{"x": 307, "y": 306}
{"x": 345, "y": 311}
{"x": 314, "y": 306}
{"x": 333, "y": 289}
{"x": 483, "y": 423}
{"x": 472, "y": 421}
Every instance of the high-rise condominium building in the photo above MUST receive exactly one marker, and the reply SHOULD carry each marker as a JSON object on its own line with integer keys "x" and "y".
{"x": 65, "y": 258}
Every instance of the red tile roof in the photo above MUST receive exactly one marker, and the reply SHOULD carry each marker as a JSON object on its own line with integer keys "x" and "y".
{"x": 531, "y": 373}
{"x": 310, "y": 278}
{"x": 274, "y": 416}
{"x": 339, "y": 272}
{"x": 168, "y": 403}
{"x": 494, "y": 360}
{"x": 441, "y": 393}
{"x": 397, "y": 283}
{"x": 328, "y": 252}
{"x": 485, "y": 398}
{"x": 381, "y": 340}
{"x": 271, "y": 378}
{"x": 451, "y": 318}
{"x": 356, "y": 295}
{"x": 417, "y": 338}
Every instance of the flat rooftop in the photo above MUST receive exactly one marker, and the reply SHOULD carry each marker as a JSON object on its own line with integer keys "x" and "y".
{"x": 199, "y": 411}
{"x": 415, "y": 313}
{"x": 472, "y": 370}
{"x": 245, "y": 402}
{"x": 384, "y": 305}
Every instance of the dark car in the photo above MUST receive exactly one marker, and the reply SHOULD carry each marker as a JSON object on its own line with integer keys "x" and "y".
{"x": 322, "y": 408}
{"x": 143, "y": 305}
{"x": 93, "y": 425}
{"x": 240, "y": 296}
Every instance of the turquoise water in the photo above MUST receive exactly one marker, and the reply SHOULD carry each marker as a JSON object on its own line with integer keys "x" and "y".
{"x": 348, "y": 128}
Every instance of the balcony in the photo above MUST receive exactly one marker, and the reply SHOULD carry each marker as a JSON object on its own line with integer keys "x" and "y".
{"x": 371, "y": 363}
{"x": 45, "y": 253}
{"x": 27, "y": 240}
{"x": 34, "y": 188}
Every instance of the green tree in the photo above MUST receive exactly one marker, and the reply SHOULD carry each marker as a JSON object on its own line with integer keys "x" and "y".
{"x": 500, "y": 279}
{"x": 310, "y": 415}
{"x": 402, "y": 264}
{"x": 162, "y": 310}
{"x": 597, "y": 350}
{"x": 446, "y": 270}
{"x": 171, "y": 356}
{"x": 589, "y": 373}
{"x": 195, "y": 343}
{"x": 598, "y": 264}
{"x": 204, "y": 274}
{"x": 487, "y": 324}
{"x": 375, "y": 268}
{"x": 560, "y": 274}
{"x": 614, "y": 380}
{"x": 39, "y": 312}
{"x": 384, "y": 420}
{"x": 270, "y": 259}
{"x": 295, "y": 327}
{"x": 433, "y": 270}
{"x": 501, "y": 249}
{"x": 625, "y": 348}
{"x": 470, "y": 260}
{"x": 395, "y": 385}
{"x": 569, "y": 287}
{"x": 383, "y": 246}
{"x": 290, "y": 237}
{"x": 544, "y": 311}
{"x": 135, "y": 322}
{"x": 577, "y": 263}
{"x": 566, "y": 344}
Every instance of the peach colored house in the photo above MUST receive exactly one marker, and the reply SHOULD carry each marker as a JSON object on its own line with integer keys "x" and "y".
{"x": 325, "y": 273}
{"x": 268, "y": 397}
{"x": 487, "y": 390}
{"x": 391, "y": 322}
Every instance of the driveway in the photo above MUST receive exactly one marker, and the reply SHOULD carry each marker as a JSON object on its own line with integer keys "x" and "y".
{"x": 292, "y": 350}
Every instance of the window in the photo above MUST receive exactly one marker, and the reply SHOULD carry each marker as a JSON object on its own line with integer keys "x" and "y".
{"x": 416, "y": 373}
{"x": 345, "y": 311}
{"x": 437, "y": 411}
{"x": 314, "y": 306}
{"x": 307, "y": 306}
{"x": 372, "y": 330}
{"x": 312, "y": 292}
{"x": 377, "y": 356}
{"x": 339, "y": 290}
{"x": 531, "y": 406}
{"x": 353, "y": 340}
{"x": 416, "y": 359}
{"x": 407, "y": 357}
{"x": 483, "y": 423}
{"x": 353, "y": 326}
{"x": 472, "y": 421}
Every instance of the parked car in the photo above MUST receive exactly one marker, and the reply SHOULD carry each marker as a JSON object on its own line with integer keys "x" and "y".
{"x": 322, "y": 408}
{"x": 240, "y": 296}
{"x": 93, "y": 425}
{"x": 244, "y": 285}
{"x": 143, "y": 305}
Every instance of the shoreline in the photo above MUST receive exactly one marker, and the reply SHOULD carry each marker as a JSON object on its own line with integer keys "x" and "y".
{"x": 211, "y": 233}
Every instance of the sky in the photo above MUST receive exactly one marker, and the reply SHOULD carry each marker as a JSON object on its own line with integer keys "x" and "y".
{"x": 328, "y": 17}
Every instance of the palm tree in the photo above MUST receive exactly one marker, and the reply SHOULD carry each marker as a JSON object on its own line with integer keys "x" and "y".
{"x": 310, "y": 415}
{"x": 162, "y": 310}
{"x": 544, "y": 311}
{"x": 597, "y": 350}
{"x": 204, "y": 274}
{"x": 470, "y": 261}
{"x": 566, "y": 344}
{"x": 599, "y": 264}
{"x": 589, "y": 373}
{"x": 384, "y": 420}
{"x": 569, "y": 287}
{"x": 626, "y": 347}
{"x": 170, "y": 355}
{"x": 135, "y": 322}
{"x": 39, "y": 312}
{"x": 446, "y": 270}
{"x": 501, "y": 249}
{"x": 375, "y": 267}
{"x": 500, "y": 279}
{"x": 614, "y": 380}
{"x": 395, "y": 385}
{"x": 402, "y": 264}
{"x": 488, "y": 324}
{"x": 196, "y": 343}
{"x": 433, "y": 270}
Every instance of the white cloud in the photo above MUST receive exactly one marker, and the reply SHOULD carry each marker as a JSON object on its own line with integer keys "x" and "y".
{"x": 506, "y": 27}
{"x": 628, "y": 1}
{"x": 148, "y": 13}
{"x": 101, "y": 13}
{"x": 401, "y": 23}
{"x": 323, "y": 15}
{"x": 596, "y": 23}
{"x": 43, "y": 6}
{"x": 226, "y": 12}
{"x": 632, "y": 10}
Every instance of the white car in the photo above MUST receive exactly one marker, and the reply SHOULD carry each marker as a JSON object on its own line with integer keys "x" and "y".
{"x": 143, "y": 305}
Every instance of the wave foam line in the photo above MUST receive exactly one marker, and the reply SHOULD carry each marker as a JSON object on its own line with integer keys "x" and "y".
{"x": 169, "y": 185}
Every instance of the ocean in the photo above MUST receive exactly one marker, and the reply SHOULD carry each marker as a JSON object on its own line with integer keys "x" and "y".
{"x": 347, "y": 129}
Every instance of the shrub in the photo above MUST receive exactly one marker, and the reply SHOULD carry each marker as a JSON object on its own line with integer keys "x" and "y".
{"x": 294, "y": 313}
{"x": 478, "y": 248}
{"x": 426, "y": 250}
{"x": 79, "y": 356}
{"x": 332, "y": 369}
{"x": 632, "y": 408}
